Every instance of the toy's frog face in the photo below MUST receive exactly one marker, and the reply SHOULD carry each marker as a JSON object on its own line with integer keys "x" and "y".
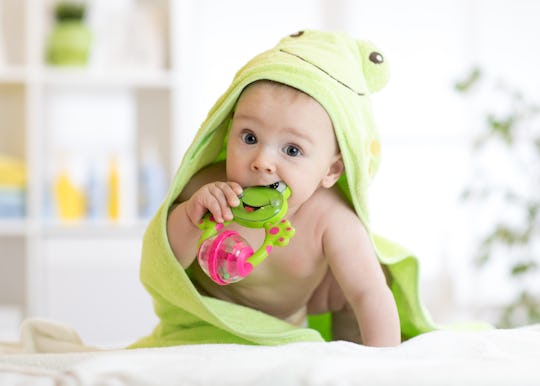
{"x": 262, "y": 204}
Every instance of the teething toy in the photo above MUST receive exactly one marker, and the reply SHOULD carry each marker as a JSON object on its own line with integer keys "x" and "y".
{"x": 225, "y": 256}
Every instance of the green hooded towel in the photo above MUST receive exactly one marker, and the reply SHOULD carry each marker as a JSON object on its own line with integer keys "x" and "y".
{"x": 340, "y": 73}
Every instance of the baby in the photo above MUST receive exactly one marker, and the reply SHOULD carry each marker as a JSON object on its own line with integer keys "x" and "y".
{"x": 280, "y": 134}
{"x": 297, "y": 115}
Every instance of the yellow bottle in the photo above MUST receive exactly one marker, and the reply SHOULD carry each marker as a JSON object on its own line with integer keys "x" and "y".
{"x": 113, "y": 191}
{"x": 70, "y": 200}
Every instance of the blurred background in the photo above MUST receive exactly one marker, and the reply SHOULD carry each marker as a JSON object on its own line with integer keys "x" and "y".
{"x": 99, "y": 99}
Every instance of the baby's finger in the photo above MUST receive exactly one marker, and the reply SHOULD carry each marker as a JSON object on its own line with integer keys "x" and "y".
{"x": 214, "y": 206}
{"x": 232, "y": 194}
{"x": 221, "y": 193}
{"x": 237, "y": 188}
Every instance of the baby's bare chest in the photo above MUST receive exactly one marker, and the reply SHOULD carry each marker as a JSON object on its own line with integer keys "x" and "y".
{"x": 300, "y": 258}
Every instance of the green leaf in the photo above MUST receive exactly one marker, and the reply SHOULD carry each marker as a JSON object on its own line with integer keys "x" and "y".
{"x": 522, "y": 268}
{"x": 466, "y": 84}
{"x": 482, "y": 258}
{"x": 502, "y": 128}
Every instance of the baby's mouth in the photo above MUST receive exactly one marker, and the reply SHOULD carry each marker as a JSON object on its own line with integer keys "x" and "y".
{"x": 280, "y": 186}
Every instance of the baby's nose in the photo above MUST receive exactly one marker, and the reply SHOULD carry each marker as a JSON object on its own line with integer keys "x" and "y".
{"x": 263, "y": 163}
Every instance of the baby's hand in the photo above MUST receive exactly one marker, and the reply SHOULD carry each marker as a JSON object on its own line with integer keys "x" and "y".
{"x": 216, "y": 198}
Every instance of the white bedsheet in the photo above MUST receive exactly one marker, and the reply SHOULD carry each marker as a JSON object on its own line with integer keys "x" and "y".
{"x": 494, "y": 357}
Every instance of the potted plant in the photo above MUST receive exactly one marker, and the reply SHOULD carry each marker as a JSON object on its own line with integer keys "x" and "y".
{"x": 507, "y": 185}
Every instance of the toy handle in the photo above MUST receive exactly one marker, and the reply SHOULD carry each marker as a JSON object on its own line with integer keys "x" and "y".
{"x": 276, "y": 234}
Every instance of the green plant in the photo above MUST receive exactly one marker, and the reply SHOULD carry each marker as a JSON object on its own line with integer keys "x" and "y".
{"x": 510, "y": 135}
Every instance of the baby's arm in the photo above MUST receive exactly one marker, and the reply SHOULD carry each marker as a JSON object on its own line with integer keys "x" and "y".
{"x": 361, "y": 278}
{"x": 195, "y": 201}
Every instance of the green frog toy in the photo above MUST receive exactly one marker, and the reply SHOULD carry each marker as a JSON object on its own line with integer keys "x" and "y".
{"x": 224, "y": 255}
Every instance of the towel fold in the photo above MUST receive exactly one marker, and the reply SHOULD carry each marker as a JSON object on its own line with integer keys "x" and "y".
{"x": 40, "y": 335}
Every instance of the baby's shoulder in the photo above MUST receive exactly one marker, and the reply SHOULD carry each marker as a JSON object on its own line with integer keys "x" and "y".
{"x": 329, "y": 206}
{"x": 331, "y": 199}
{"x": 339, "y": 224}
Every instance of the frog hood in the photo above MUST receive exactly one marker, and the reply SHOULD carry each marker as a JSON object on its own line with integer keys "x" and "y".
{"x": 334, "y": 69}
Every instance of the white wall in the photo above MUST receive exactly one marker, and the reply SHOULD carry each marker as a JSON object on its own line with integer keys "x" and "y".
{"x": 221, "y": 36}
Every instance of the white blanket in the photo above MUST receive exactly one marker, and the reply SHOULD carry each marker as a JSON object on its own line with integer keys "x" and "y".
{"x": 493, "y": 357}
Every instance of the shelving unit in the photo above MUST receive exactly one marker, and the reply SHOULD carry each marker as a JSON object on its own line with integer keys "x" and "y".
{"x": 69, "y": 270}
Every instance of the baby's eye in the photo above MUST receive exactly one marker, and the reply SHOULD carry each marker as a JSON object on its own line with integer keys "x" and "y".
{"x": 292, "y": 151}
{"x": 249, "y": 138}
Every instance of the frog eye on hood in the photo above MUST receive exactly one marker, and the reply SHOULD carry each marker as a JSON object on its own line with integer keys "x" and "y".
{"x": 376, "y": 57}
{"x": 374, "y": 66}
{"x": 296, "y": 34}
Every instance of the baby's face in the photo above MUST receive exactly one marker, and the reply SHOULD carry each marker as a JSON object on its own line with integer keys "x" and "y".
{"x": 280, "y": 134}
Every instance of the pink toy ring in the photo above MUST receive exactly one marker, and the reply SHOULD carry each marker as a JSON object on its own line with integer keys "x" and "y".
{"x": 224, "y": 257}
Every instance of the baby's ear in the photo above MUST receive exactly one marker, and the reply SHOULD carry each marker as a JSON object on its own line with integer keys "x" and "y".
{"x": 334, "y": 172}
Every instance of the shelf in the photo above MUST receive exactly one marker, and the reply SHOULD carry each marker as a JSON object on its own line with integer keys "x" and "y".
{"x": 115, "y": 78}
{"x": 13, "y": 227}
{"x": 21, "y": 228}
{"x": 13, "y": 74}
{"x": 88, "y": 77}
{"x": 90, "y": 229}
{"x": 122, "y": 106}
